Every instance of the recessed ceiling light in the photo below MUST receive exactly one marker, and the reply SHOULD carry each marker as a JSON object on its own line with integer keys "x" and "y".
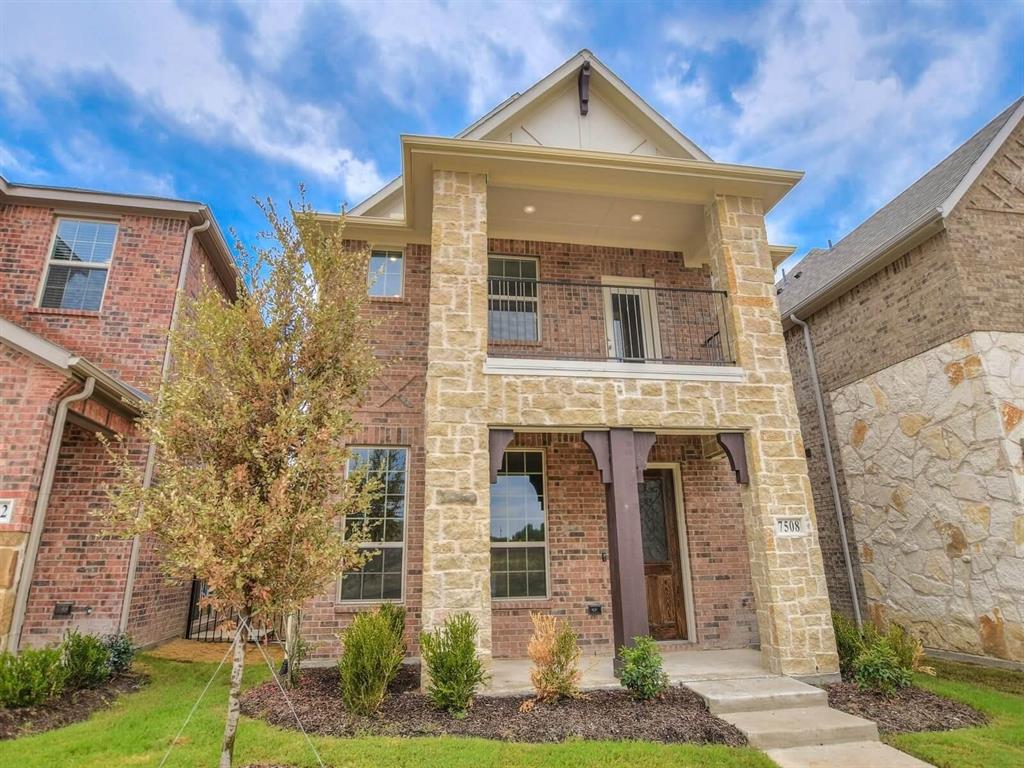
{"x": 636, "y": 218}
{"x": 529, "y": 209}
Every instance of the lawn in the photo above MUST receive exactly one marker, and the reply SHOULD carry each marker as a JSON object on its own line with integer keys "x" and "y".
{"x": 138, "y": 728}
{"x": 997, "y": 745}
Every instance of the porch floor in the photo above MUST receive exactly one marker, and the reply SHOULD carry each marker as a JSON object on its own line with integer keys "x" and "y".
{"x": 511, "y": 677}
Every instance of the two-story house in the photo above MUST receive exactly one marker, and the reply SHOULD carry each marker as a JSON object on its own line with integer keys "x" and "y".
{"x": 906, "y": 341}
{"x": 587, "y": 408}
{"x": 88, "y": 289}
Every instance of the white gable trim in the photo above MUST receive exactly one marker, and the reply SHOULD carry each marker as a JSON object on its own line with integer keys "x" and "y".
{"x": 983, "y": 160}
{"x": 507, "y": 110}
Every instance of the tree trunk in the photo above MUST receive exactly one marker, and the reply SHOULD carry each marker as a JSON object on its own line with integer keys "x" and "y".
{"x": 237, "y": 666}
{"x": 290, "y": 632}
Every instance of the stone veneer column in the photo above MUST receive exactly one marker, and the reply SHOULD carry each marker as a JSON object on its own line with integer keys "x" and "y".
{"x": 456, "y": 518}
{"x": 793, "y": 610}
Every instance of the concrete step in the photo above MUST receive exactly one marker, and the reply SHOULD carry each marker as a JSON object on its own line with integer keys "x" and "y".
{"x": 801, "y": 727}
{"x": 857, "y": 754}
{"x": 758, "y": 693}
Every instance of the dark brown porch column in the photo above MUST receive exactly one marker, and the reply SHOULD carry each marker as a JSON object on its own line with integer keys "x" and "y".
{"x": 621, "y": 456}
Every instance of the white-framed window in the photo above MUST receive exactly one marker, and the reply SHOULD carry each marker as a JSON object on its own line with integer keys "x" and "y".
{"x": 381, "y": 577}
{"x": 512, "y": 299}
{"x": 386, "y": 274}
{"x": 78, "y": 263}
{"x": 519, "y": 555}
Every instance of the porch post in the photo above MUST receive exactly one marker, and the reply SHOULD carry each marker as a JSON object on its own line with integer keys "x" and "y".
{"x": 621, "y": 455}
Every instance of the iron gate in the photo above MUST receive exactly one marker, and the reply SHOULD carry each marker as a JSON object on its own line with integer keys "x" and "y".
{"x": 210, "y": 626}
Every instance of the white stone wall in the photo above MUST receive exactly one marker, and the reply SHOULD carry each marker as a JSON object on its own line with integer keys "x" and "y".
{"x": 931, "y": 451}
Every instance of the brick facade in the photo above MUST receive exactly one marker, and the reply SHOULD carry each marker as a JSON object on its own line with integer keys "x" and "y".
{"x": 126, "y": 338}
{"x": 953, "y": 303}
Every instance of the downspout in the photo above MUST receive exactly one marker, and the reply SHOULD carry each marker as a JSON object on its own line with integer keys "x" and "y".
{"x": 39, "y": 515}
{"x": 823, "y": 424}
{"x": 147, "y": 477}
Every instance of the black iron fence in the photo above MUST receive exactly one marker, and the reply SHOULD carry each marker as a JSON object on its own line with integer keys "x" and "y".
{"x": 207, "y": 625}
{"x": 592, "y": 321}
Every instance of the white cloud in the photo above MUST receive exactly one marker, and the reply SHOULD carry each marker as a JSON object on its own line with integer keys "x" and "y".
{"x": 831, "y": 94}
{"x": 488, "y": 49}
{"x": 175, "y": 66}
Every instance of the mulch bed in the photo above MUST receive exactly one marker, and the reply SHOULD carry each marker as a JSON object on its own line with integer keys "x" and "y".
{"x": 679, "y": 716}
{"x": 906, "y": 711}
{"x": 70, "y": 707}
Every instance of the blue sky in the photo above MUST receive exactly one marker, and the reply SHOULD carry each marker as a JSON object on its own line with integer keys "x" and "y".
{"x": 220, "y": 102}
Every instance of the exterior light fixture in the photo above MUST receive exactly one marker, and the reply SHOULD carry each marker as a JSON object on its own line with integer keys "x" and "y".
{"x": 636, "y": 218}
{"x": 529, "y": 209}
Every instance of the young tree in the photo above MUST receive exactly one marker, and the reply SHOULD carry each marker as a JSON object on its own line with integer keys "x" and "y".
{"x": 251, "y": 427}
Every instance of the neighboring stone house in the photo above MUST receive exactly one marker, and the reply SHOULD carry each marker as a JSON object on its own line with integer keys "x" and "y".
{"x": 917, "y": 326}
{"x": 587, "y": 408}
{"x": 88, "y": 286}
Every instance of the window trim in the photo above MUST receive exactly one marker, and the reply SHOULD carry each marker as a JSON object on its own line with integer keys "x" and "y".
{"x": 382, "y": 248}
{"x": 50, "y": 261}
{"x": 537, "y": 301}
{"x": 363, "y": 602}
{"x": 547, "y": 534}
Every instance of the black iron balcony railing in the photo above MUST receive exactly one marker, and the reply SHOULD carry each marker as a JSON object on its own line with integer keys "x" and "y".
{"x": 558, "y": 319}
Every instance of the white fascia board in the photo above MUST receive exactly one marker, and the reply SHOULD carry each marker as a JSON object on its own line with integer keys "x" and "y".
{"x": 582, "y": 369}
{"x": 983, "y": 160}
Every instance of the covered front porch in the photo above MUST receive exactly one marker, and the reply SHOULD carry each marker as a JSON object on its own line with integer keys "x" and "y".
{"x": 622, "y": 533}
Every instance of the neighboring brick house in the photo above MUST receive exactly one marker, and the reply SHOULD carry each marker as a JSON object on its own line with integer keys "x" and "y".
{"x": 916, "y": 321}
{"x": 88, "y": 286}
{"x": 587, "y": 408}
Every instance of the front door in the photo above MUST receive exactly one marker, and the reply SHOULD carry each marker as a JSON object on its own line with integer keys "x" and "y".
{"x": 663, "y": 571}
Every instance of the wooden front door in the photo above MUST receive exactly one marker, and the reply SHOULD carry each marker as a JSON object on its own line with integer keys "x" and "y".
{"x": 663, "y": 570}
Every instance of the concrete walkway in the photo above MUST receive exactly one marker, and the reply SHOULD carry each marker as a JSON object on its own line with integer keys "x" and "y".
{"x": 511, "y": 677}
{"x": 792, "y": 722}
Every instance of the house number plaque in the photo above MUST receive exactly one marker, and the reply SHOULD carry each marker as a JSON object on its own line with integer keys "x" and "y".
{"x": 6, "y": 510}
{"x": 790, "y": 527}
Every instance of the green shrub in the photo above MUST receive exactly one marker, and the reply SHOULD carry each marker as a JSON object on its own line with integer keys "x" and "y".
{"x": 454, "y": 671}
{"x": 849, "y": 643}
{"x": 85, "y": 659}
{"x": 555, "y": 651}
{"x": 642, "y": 673}
{"x": 908, "y": 649}
{"x": 31, "y": 677}
{"x": 370, "y": 658}
{"x": 120, "y": 652}
{"x": 879, "y": 668}
{"x": 395, "y": 616}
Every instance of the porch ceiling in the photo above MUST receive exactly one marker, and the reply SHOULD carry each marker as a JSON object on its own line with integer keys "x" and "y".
{"x": 593, "y": 219}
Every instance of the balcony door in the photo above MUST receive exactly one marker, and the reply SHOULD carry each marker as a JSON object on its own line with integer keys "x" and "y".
{"x": 631, "y": 319}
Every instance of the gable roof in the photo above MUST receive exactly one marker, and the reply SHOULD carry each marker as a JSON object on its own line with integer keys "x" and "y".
{"x": 910, "y": 218}
{"x": 656, "y": 135}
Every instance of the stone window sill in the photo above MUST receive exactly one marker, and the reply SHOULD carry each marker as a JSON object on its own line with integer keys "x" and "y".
{"x": 65, "y": 312}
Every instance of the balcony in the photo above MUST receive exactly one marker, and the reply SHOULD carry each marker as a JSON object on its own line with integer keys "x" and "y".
{"x": 622, "y": 328}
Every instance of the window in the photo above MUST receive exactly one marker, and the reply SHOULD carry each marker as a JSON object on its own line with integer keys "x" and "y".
{"x": 512, "y": 299}
{"x": 385, "y": 274}
{"x": 518, "y": 535}
{"x": 380, "y": 578}
{"x": 76, "y": 272}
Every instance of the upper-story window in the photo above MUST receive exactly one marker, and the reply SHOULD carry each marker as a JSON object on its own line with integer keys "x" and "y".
{"x": 512, "y": 299}
{"x": 76, "y": 271}
{"x": 386, "y": 273}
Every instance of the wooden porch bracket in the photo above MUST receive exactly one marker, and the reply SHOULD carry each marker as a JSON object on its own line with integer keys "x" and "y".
{"x": 497, "y": 442}
{"x": 735, "y": 448}
{"x": 621, "y": 455}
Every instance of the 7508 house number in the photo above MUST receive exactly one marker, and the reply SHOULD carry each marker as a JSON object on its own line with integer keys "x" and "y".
{"x": 791, "y": 527}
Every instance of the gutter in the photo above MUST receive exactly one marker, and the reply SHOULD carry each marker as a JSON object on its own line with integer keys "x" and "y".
{"x": 39, "y": 515}
{"x": 826, "y": 438}
{"x": 147, "y": 477}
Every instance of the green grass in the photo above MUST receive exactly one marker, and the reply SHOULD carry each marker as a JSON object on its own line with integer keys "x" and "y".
{"x": 138, "y": 728}
{"x": 1000, "y": 744}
